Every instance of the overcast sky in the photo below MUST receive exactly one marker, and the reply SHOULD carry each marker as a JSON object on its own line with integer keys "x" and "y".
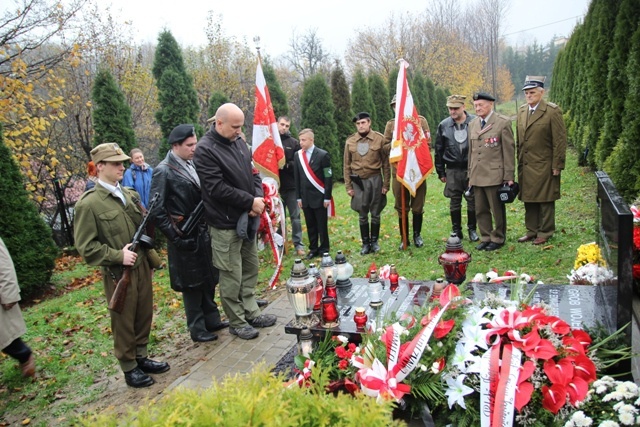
{"x": 335, "y": 20}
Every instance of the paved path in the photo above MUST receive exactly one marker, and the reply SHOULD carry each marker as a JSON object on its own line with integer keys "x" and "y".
{"x": 230, "y": 354}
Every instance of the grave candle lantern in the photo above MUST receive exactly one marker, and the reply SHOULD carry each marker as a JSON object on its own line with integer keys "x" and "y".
{"x": 454, "y": 260}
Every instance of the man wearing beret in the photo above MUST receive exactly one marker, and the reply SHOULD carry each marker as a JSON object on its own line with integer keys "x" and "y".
{"x": 452, "y": 162}
{"x": 366, "y": 178}
{"x": 190, "y": 264}
{"x": 415, "y": 203}
{"x": 231, "y": 189}
{"x": 491, "y": 164}
{"x": 106, "y": 218}
{"x": 542, "y": 146}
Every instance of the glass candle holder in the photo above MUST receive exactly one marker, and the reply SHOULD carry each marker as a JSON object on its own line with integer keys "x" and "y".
{"x": 393, "y": 278}
{"x": 330, "y": 289}
{"x": 360, "y": 318}
{"x": 330, "y": 313}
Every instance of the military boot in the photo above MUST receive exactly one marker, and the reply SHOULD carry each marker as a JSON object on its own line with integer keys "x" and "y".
{"x": 456, "y": 223}
{"x": 471, "y": 225}
{"x": 406, "y": 232}
{"x": 366, "y": 243}
{"x": 375, "y": 231}
{"x": 417, "y": 229}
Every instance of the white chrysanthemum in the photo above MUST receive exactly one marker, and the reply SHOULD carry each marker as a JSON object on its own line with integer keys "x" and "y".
{"x": 342, "y": 339}
{"x": 608, "y": 423}
{"x": 628, "y": 388}
{"x": 600, "y": 388}
{"x": 579, "y": 419}
{"x": 625, "y": 407}
{"x": 423, "y": 368}
{"x": 614, "y": 395}
{"x": 627, "y": 419}
{"x": 439, "y": 344}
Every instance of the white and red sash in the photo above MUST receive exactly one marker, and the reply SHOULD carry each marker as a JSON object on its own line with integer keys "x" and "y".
{"x": 315, "y": 181}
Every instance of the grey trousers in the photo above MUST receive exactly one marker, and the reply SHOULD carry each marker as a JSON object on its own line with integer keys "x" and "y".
{"x": 237, "y": 260}
{"x": 291, "y": 205}
{"x": 200, "y": 308}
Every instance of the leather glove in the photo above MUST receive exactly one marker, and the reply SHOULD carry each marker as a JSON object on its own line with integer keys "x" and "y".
{"x": 186, "y": 244}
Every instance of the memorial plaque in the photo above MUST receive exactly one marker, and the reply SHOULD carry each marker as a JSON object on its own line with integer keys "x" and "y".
{"x": 408, "y": 295}
{"x": 579, "y": 306}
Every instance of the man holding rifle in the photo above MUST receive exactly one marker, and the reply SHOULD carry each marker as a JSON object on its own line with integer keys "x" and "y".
{"x": 190, "y": 265}
{"x": 106, "y": 219}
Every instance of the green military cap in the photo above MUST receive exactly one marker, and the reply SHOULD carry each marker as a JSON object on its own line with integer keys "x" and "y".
{"x": 108, "y": 152}
{"x": 456, "y": 101}
{"x": 534, "y": 81}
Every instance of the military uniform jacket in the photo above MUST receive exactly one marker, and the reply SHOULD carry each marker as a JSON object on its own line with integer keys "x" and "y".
{"x": 320, "y": 165}
{"x": 103, "y": 226}
{"x": 12, "y": 324}
{"x": 491, "y": 151}
{"x": 179, "y": 194}
{"x": 542, "y": 146}
{"x": 366, "y": 157}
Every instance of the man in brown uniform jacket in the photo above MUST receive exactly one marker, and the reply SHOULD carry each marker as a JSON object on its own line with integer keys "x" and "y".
{"x": 366, "y": 178}
{"x": 542, "y": 146}
{"x": 416, "y": 203}
{"x": 491, "y": 163}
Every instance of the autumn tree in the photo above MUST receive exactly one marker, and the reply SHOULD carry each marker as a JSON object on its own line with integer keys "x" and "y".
{"x": 361, "y": 99}
{"x": 306, "y": 54}
{"x": 111, "y": 114}
{"x": 176, "y": 94}
{"x": 343, "y": 113}
{"x": 23, "y": 231}
{"x": 318, "y": 114}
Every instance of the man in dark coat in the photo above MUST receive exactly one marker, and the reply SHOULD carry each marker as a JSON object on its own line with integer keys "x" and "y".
{"x": 542, "y": 146}
{"x": 452, "y": 158}
{"x": 314, "y": 180}
{"x": 288, "y": 184}
{"x": 233, "y": 201}
{"x": 190, "y": 267}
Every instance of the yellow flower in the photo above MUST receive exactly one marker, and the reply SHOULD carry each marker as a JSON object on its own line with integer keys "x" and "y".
{"x": 589, "y": 253}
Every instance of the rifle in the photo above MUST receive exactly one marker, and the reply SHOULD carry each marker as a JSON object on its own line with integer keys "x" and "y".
{"x": 120, "y": 294}
{"x": 194, "y": 219}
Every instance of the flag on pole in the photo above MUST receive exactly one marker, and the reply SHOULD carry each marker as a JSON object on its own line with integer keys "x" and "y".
{"x": 410, "y": 145}
{"x": 267, "y": 150}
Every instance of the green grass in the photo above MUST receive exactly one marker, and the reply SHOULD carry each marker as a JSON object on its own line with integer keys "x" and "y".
{"x": 71, "y": 333}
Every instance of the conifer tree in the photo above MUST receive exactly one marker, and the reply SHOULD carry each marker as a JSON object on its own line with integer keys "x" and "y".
{"x": 111, "y": 114}
{"x": 393, "y": 81}
{"x": 317, "y": 114}
{"x": 441, "y": 110}
{"x": 176, "y": 93}
{"x": 278, "y": 97}
{"x": 431, "y": 111}
{"x": 215, "y": 101}
{"x": 361, "y": 99}
{"x": 343, "y": 113}
{"x": 27, "y": 237}
{"x": 418, "y": 91}
{"x": 617, "y": 82}
{"x": 380, "y": 97}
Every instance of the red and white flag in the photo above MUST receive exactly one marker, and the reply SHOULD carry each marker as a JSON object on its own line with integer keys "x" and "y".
{"x": 410, "y": 145}
{"x": 268, "y": 154}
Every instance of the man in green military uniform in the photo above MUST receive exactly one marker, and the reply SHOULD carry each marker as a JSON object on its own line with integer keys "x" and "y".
{"x": 366, "y": 178}
{"x": 106, "y": 218}
{"x": 542, "y": 147}
{"x": 415, "y": 203}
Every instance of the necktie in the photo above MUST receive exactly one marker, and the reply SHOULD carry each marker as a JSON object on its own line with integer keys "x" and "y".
{"x": 482, "y": 123}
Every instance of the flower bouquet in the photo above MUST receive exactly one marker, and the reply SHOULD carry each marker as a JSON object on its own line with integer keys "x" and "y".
{"x": 516, "y": 365}
{"x": 636, "y": 246}
{"x": 609, "y": 403}
{"x": 590, "y": 268}
{"x": 272, "y": 220}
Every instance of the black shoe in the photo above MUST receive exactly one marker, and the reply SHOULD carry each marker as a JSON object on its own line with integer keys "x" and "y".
{"x": 493, "y": 246}
{"x": 151, "y": 366}
{"x": 223, "y": 324}
{"x": 261, "y": 303}
{"x": 263, "y": 321}
{"x": 417, "y": 240}
{"x": 205, "y": 337}
{"x": 401, "y": 245}
{"x": 473, "y": 236}
{"x": 138, "y": 379}
{"x": 375, "y": 246}
{"x": 311, "y": 255}
{"x": 482, "y": 246}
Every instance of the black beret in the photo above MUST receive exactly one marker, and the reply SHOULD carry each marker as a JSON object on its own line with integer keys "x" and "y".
{"x": 483, "y": 95}
{"x": 180, "y": 133}
{"x": 360, "y": 116}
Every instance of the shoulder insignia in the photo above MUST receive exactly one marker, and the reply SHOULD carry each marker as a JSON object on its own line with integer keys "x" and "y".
{"x": 379, "y": 134}
{"x": 552, "y": 105}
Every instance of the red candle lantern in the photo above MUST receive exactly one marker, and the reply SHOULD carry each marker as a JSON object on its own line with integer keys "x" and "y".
{"x": 330, "y": 289}
{"x": 393, "y": 278}
{"x": 329, "y": 312}
{"x": 360, "y": 318}
{"x": 454, "y": 260}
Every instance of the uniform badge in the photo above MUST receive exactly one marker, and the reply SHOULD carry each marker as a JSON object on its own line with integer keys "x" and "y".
{"x": 460, "y": 135}
{"x": 362, "y": 148}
